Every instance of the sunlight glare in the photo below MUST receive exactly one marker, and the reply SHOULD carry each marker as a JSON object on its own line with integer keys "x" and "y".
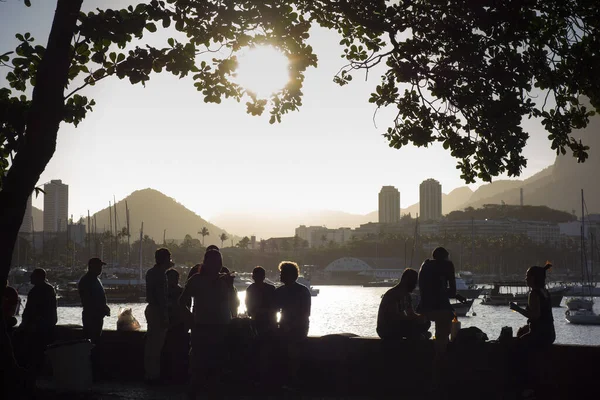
{"x": 263, "y": 70}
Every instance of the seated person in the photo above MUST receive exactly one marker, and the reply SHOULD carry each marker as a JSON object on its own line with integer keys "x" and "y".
{"x": 540, "y": 322}
{"x": 396, "y": 318}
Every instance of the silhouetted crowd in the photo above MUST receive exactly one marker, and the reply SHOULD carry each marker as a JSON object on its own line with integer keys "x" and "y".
{"x": 207, "y": 305}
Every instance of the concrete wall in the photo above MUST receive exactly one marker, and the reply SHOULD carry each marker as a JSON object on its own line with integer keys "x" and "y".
{"x": 342, "y": 365}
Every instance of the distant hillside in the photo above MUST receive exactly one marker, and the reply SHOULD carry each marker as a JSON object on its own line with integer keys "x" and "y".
{"x": 525, "y": 213}
{"x": 267, "y": 225}
{"x": 159, "y": 212}
{"x": 450, "y": 202}
{"x": 557, "y": 186}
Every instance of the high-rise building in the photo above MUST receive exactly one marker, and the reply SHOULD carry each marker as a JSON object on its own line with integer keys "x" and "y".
{"x": 430, "y": 200}
{"x": 56, "y": 206}
{"x": 26, "y": 224}
{"x": 389, "y": 205}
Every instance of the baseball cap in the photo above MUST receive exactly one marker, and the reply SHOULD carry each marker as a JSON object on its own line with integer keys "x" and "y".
{"x": 95, "y": 262}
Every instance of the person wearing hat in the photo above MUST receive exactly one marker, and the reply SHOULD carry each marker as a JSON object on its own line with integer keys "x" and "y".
{"x": 93, "y": 300}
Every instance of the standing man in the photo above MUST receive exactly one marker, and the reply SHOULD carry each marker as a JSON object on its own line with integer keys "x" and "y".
{"x": 259, "y": 303}
{"x": 93, "y": 300}
{"x": 437, "y": 285}
{"x": 39, "y": 319}
{"x": 294, "y": 301}
{"x": 157, "y": 314}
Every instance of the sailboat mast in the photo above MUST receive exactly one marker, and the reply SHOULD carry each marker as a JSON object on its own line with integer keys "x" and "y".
{"x": 89, "y": 236}
{"x": 128, "y": 241}
{"x": 111, "y": 231}
{"x": 141, "y": 249}
{"x": 582, "y": 238}
{"x": 95, "y": 235}
{"x": 116, "y": 232}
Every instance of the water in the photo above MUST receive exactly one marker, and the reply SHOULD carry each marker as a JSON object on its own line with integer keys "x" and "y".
{"x": 353, "y": 309}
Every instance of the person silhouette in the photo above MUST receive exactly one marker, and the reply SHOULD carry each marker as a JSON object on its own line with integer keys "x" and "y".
{"x": 39, "y": 318}
{"x": 539, "y": 331}
{"x": 196, "y": 268}
{"x": 176, "y": 347}
{"x": 396, "y": 318}
{"x": 212, "y": 315}
{"x": 157, "y": 314}
{"x": 93, "y": 300}
{"x": 234, "y": 300}
{"x": 539, "y": 334}
{"x": 294, "y": 301}
{"x": 10, "y": 304}
{"x": 437, "y": 284}
{"x": 260, "y": 303}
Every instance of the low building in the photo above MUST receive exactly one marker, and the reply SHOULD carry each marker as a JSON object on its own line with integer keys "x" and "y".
{"x": 318, "y": 236}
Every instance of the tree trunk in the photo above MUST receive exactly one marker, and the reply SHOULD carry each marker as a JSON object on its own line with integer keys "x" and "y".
{"x": 39, "y": 142}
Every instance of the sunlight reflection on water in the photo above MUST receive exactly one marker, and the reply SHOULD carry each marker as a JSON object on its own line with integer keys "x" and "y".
{"x": 353, "y": 309}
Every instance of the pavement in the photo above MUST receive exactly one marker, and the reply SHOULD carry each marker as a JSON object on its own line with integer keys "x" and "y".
{"x": 46, "y": 390}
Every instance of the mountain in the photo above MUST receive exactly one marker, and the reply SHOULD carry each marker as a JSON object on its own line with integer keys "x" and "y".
{"x": 159, "y": 212}
{"x": 558, "y": 186}
{"x": 282, "y": 224}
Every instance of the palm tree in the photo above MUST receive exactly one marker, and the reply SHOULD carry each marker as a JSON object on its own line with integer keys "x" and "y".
{"x": 223, "y": 238}
{"x": 204, "y": 232}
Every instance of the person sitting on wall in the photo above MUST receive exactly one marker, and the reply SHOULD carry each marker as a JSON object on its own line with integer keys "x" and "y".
{"x": 396, "y": 318}
{"x": 539, "y": 334}
{"x": 539, "y": 331}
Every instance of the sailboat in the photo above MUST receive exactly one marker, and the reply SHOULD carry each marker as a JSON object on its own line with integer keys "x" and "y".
{"x": 581, "y": 309}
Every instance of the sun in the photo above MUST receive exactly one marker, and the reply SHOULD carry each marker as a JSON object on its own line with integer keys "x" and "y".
{"x": 262, "y": 70}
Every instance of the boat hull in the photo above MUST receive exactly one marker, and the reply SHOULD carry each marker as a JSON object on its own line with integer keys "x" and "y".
{"x": 582, "y": 317}
{"x": 506, "y": 299}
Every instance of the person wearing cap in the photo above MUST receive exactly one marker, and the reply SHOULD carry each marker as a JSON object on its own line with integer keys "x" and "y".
{"x": 157, "y": 314}
{"x": 93, "y": 300}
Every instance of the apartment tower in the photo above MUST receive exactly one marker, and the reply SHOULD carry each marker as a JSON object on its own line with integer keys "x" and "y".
{"x": 389, "y": 205}
{"x": 430, "y": 200}
{"x": 56, "y": 206}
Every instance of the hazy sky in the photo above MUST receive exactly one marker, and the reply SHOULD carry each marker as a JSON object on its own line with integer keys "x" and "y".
{"x": 215, "y": 158}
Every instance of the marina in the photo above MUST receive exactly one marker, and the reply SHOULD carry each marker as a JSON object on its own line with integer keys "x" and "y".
{"x": 353, "y": 309}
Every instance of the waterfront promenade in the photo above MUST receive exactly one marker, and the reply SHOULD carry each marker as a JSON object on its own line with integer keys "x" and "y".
{"x": 338, "y": 366}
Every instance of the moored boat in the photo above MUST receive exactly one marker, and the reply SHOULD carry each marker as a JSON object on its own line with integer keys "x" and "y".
{"x": 582, "y": 317}
{"x": 503, "y": 293}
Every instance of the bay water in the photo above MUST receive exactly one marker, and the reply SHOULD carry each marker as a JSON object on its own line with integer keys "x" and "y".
{"x": 353, "y": 309}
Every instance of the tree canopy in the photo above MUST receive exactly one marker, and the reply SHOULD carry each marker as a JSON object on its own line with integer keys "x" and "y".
{"x": 464, "y": 74}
